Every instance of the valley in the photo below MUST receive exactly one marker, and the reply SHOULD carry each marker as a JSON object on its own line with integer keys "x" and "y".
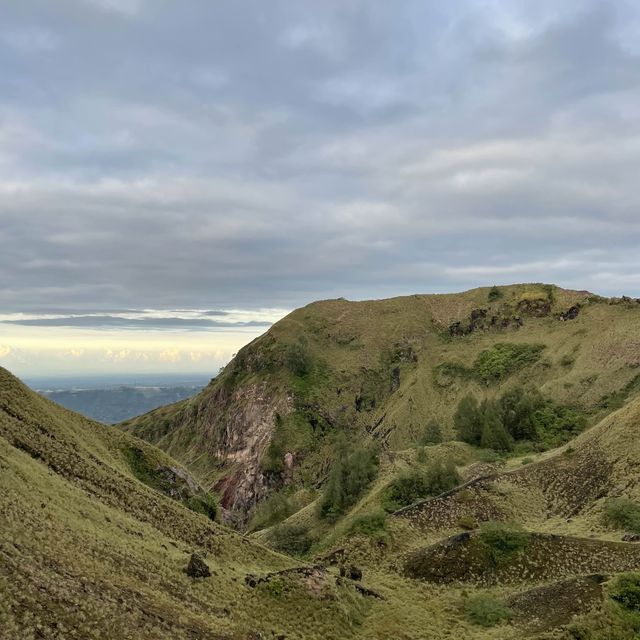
{"x": 428, "y": 467}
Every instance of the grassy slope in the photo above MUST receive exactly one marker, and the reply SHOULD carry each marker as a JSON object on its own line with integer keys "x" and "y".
{"x": 88, "y": 551}
{"x": 89, "y": 548}
{"x": 222, "y": 433}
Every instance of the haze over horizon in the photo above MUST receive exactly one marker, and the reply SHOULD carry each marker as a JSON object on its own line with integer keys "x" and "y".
{"x": 174, "y": 177}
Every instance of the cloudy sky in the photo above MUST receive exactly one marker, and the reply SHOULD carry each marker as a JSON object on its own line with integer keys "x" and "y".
{"x": 174, "y": 176}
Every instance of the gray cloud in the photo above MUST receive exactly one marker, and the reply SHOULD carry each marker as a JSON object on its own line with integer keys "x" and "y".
{"x": 249, "y": 154}
{"x": 111, "y": 322}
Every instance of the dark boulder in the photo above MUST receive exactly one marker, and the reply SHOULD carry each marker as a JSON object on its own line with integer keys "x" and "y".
{"x": 571, "y": 313}
{"x": 352, "y": 572}
{"x": 197, "y": 567}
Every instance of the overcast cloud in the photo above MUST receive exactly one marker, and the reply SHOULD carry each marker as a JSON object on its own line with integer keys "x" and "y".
{"x": 248, "y": 155}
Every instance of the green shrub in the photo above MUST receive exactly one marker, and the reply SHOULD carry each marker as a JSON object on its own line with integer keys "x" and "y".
{"x": 297, "y": 358}
{"x": 518, "y": 408}
{"x": 502, "y": 540}
{"x": 486, "y": 611}
{"x": 622, "y": 513}
{"x": 616, "y": 399}
{"x": 352, "y": 471}
{"x": 417, "y": 484}
{"x": 274, "y": 587}
{"x": 203, "y": 503}
{"x": 557, "y": 424}
{"x": 275, "y": 508}
{"x": 432, "y": 434}
{"x": 494, "y": 294}
{"x": 292, "y": 539}
{"x": 626, "y": 591}
{"x": 447, "y": 372}
{"x": 466, "y": 420}
{"x": 372, "y": 524}
{"x": 503, "y": 359}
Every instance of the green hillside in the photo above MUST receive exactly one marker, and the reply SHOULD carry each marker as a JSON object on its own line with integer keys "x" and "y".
{"x": 89, "y": 550}
{"x": 385, "y": 372}
{"x": 359, "y": 525}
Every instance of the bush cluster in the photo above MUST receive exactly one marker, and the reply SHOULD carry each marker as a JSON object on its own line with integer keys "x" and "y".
{"x": 503, "y": 359}
{"x": 501, "y": 540}
{"x": 486, "y": 611}
{"x": 417, "y": 484}
{"x": 626, "y": 591}
{"x": 622, "y": 513}
{"x": 517, "y": 416}
{"x": 372, "y": 524}
{"x": 352, "y": 471}
{"x": 293, "y": 539}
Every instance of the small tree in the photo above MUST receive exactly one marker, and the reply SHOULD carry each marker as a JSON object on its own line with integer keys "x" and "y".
{"x": 297, "y": 358}
{"x": 466, "y": 421}
{"x": 518, "y": 409}
{"x": 352, "y": 471}
{"x": 432, "y": 433}
{"x": 494, "y": 435}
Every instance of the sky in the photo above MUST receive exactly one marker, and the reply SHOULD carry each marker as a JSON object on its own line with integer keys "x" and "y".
{"x": 176, "y": 176}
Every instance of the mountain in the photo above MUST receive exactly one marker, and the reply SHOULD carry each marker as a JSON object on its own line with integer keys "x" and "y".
{"x": 383, "y": 371}
{"x": 115, "y": 404}
{"x": 428, "y": 468}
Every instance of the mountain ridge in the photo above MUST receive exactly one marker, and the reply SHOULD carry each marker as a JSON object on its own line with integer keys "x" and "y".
{"x": 383, "y": 369}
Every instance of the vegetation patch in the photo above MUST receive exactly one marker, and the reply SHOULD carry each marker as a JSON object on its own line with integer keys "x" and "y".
{"x": 486, "y": 610}
{"x": 432, "y": 434}
{"x": 625, "y": 590}
{"x": 622, "y": 513}
{"x": 616, "y": 399}
{"x": 417, "y": 484}
{"x": 518, "y": 417}
{"x": 503, "y": 359}
{"x": 352, "y": 471}
{"x": 501, "y": 541}
{"x": 278, "y": 506}
{"x": 292, "y": 539}
{"x": 373, "y": 525}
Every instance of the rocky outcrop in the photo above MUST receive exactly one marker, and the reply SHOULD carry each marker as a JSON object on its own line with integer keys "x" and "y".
{"x": 197, "y": 567}
{"x": 535, "y": 307}
{"x": 241, "y": 430}
{"x": 570, "y": 314}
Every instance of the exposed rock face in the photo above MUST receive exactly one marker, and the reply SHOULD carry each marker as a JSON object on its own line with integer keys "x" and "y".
{"x": 536, "y": 308}
{"x": 197, "y": 567}
{"x": 483, "y": 320}
{"x": 238, "y": 427}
